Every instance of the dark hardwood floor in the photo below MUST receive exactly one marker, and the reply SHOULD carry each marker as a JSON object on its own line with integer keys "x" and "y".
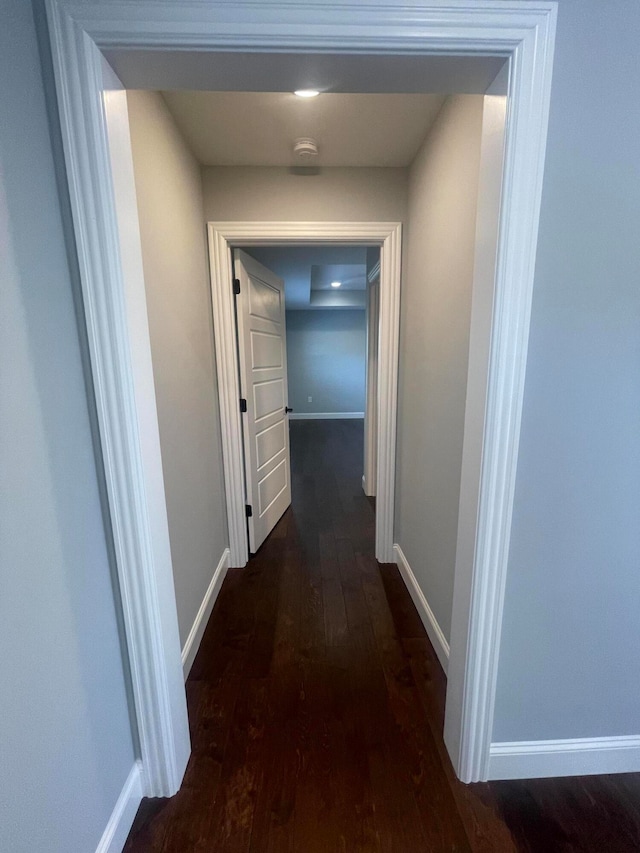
{"x": 316, "y": 706}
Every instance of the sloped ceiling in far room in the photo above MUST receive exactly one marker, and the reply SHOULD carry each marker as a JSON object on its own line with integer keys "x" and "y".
{"x": 309, "y": 270}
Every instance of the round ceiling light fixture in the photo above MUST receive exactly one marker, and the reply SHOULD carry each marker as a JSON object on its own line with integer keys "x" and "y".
{"x": 336, "y": 284}
{"x": 306, "y": 93}
{"x": 305, "y": 149}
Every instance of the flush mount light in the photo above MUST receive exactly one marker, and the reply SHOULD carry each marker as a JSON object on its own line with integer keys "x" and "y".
{"x": 336, "y": 283}
{"x": 306, "y": 93}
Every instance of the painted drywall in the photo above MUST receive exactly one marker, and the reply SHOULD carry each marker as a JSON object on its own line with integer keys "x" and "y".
{"x": 174, "y": 253}
{"x": 326, "y": 360}
{"x": 66, "y": 744}
{"x": 434, "y": 347}
{"x": 270, "y": 193}
{"x": 569, "y": 662}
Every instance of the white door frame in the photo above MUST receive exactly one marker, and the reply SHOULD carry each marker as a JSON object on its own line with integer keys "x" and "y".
{"x": 223, "y": 236}
{"x": 522, "y": 31}
{"x": 369, "y": 477}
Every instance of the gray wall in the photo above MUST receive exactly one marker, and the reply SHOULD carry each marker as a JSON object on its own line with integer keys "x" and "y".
{"x": 255, "y": 192}
{"x": 434, "y": 347}
{"x": 65, "y": 743}
{"x": 326, "y": 358}
{"x": 174, "y": 252}
{"x": 570, "y": 661}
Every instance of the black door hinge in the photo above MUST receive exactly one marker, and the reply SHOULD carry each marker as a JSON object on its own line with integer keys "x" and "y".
{"x": 236, "y": 286}
{"x": 249, "y": 510}
{"x": 243, "y": 404}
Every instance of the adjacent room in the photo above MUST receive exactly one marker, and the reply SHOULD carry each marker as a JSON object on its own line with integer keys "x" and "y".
{"x": 331, "y": 340}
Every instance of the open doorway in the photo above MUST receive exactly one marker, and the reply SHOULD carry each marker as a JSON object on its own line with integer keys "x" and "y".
{"x": 304, "y": 340}
{"x": 386, "y": 236}
{"x": 447, "y": 185}
{"x": 439, "y": 43}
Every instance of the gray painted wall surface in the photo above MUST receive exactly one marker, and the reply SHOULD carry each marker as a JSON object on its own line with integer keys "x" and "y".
{"x": 570, "y": 655}
{"x": 264, "y": 193}
{"x": 326, "y": 359}
{"x": 434, "y": 347}
{"x": 174, "y": 252}
{"x": 65, "y": 740}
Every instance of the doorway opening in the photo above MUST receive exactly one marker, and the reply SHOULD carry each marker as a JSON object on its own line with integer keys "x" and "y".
{"x": 162, "y": 49}
{"x": 386, "y": 238}
{"x": 305, "y": 339}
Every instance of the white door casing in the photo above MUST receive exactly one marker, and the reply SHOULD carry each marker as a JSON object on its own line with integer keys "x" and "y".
{"x": 523, "y": 31}
{"x": 222, "y": 236}
{"x": 371, "y": 404}
{"x": 262, "y": 351}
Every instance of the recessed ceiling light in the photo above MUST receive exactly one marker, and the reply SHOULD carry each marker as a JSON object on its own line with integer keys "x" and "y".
{"x": 336, "y": 283}
{"x": 306, "y": 93}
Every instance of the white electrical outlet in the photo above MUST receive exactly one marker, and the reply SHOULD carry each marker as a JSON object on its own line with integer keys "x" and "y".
{"x": 309, "y": 399}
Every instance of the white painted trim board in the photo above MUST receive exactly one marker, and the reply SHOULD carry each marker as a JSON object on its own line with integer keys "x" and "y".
{"x": 431, "y": 625}
{"x": 117, "y": 829}
{"x": 325, "y": 416}
{"x": 570, "y": 757}
{"x": 121, "y": 365}
{"x": 192, "y": 643}
{"x": 371, "y": 382}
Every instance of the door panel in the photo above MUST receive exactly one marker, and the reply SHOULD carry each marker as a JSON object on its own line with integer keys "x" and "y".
{"x": 272, "y": 486}
{"x": 263, "y": 383}
{"x": 265, "y": 300}
{"x": 266, "y": 350}
{"x": 269, "y": 442}
{"x": 268, "y": 398}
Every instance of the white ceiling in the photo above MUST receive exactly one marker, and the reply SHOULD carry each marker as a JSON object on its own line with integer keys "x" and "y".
{"x": 259, "y": 128}
{"x": 219, "y": 71}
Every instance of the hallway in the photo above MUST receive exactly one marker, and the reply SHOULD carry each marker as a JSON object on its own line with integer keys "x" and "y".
{"x": 316, "y": 705}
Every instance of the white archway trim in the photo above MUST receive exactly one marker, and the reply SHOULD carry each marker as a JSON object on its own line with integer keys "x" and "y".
{"x": 522, "y": 31}
{"x": 225, "y": 235}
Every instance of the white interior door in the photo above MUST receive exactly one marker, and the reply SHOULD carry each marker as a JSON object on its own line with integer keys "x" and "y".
{"x": 263, "y": 387}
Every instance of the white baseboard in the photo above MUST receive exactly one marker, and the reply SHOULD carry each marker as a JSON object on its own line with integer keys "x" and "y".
{"x": 434, "y": 631}
{"x": 115, "y": 835}
{"x": 324, "y": 416}
{"x": 573, "y": 757}
{"x": 192, "y": 643}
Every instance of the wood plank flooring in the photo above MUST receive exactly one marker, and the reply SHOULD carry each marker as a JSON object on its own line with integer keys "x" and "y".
{"x": 316, "y": 707}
